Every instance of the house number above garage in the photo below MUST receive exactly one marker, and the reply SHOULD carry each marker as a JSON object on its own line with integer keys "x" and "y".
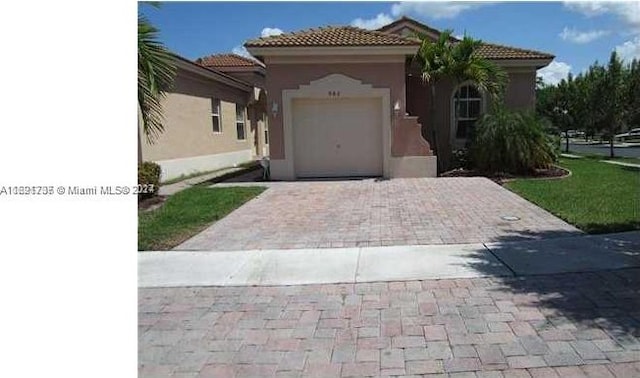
{"x": 334, "y": 93}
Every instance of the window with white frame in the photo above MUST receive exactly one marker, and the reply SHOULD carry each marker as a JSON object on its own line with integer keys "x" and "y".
{"x": 467, "y": 102}
{"x": 240, "y": 121}
{"x": 216, "y": 118}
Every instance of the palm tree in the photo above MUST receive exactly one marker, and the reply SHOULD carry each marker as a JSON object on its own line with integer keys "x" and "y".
{"x": 448, "y": 57}
{"x": 156, "y": 71}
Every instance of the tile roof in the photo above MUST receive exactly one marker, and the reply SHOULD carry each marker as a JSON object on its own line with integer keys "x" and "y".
{"x": 498, "y": 52}
{"x": 210, "y": 72}
{"x": 487, "y": 50}
{"x": 332, "y": 36}
{"x": 227, "y": 60}
{"x": 352, "y": 36}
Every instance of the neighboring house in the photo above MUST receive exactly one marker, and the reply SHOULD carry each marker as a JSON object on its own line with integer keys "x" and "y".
{"x": 345, "y": 101}
{"x": 252, "y": 72}
{"x": 212, "y": 120}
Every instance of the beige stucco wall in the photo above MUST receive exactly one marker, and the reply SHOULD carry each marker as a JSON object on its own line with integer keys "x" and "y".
{"x": 291, "y": 76}
{"x": 188, "y": 124}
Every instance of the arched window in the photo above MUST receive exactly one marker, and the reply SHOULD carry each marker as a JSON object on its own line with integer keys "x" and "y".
{"x": 467, "y": 101}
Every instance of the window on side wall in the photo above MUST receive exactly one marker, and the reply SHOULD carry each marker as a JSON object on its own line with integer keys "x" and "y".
{"x": 469, "y": 107}
{"x": 216, "y": 118}
{"x": 240, "y": 121}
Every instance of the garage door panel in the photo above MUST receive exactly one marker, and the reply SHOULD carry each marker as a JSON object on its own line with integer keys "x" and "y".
{"x": 337, "y": 137}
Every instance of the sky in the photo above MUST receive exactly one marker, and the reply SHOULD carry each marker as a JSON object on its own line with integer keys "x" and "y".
{"x": 577, "y": 33}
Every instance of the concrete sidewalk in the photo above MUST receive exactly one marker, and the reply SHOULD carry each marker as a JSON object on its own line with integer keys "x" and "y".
{"x": 170, "y": 189}
{"x": 624, "y": 164}
{"x": 397, "y": 263}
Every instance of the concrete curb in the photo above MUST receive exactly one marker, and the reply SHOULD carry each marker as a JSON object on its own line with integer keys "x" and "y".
{"x": 315, "y": 266}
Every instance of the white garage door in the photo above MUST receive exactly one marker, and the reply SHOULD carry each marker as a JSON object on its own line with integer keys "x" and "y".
{"x": 337, "y": 137}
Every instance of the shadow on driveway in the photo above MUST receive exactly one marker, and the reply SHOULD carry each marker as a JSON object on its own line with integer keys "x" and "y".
{"x": 578, "y": 283}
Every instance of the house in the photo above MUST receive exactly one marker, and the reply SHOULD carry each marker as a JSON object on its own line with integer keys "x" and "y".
{"x": 344, "y": 101}
{"x": 214, "y": 117}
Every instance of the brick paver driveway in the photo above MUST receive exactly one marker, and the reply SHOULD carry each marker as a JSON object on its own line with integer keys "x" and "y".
{"x": 324, "y": 214}
{"x": 545, "y": 326}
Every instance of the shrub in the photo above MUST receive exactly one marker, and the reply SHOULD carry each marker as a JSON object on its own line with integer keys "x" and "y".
{"x": 556, "y": 142}
{"x": 149, "y": 174}
{"x": 513, "y": 142}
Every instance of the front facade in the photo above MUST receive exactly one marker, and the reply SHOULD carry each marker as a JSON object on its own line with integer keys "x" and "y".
{"x": 450, "y": 133}
{"x": 344, "y": 101}
{"x": 338, "y": 110}
{"x": 212, "y": 120}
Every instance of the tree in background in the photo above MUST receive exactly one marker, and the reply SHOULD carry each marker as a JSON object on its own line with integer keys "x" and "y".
{"x": 614, "y": 98}
{"x": 545, "y": 97}
{"x": 604, "y": 99}
{"x": 594, "y": 88}
{"x": 633, "y": 94}
{"x": 564, "y": 107}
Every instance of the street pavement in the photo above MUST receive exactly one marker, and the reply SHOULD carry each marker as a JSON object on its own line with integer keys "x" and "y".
{"x": 603, "y": 149}
{"x": 565, "y": 325}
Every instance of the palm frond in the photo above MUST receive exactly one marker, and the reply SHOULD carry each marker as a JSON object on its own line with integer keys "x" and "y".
{"x": 459, "y": 61}
{"x": 156, "y": 71}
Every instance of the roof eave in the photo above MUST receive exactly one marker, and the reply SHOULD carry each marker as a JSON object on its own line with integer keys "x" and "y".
{"x": 511, "y": 62}
{"x": 255, "y": 69}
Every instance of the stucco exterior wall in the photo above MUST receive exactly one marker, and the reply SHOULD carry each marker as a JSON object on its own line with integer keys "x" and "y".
{"x": 519, "y": 94}
{"x": 188, "y": 129}
{"x": 291, "y": 76}
{"x": 521, "y": 91}
{"x": 188, "y": 143}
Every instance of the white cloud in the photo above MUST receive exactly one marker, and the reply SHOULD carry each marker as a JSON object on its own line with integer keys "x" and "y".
{"x": 575, "y": 36}
{"x": 242, "y": 51}
{"x": 554, "y": 72}
{"x": 629, "y": 49}
{"x": 627, "y": 11}
{"x": 588, "y": 8}
{"x": 433, "y": 9}
{"x": 373, "y": 23}
{"x": 268, "y": 32}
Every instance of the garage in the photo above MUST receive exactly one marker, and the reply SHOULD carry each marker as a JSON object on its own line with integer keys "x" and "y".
{"x": 337, "y": 137}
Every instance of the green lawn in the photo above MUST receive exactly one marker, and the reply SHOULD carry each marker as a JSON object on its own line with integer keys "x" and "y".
{"x": 597, "y": 198}
{"x": 188, "y": 212}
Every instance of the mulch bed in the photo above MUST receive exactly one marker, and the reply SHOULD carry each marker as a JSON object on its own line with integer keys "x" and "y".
{"x": 502, "y": 177}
